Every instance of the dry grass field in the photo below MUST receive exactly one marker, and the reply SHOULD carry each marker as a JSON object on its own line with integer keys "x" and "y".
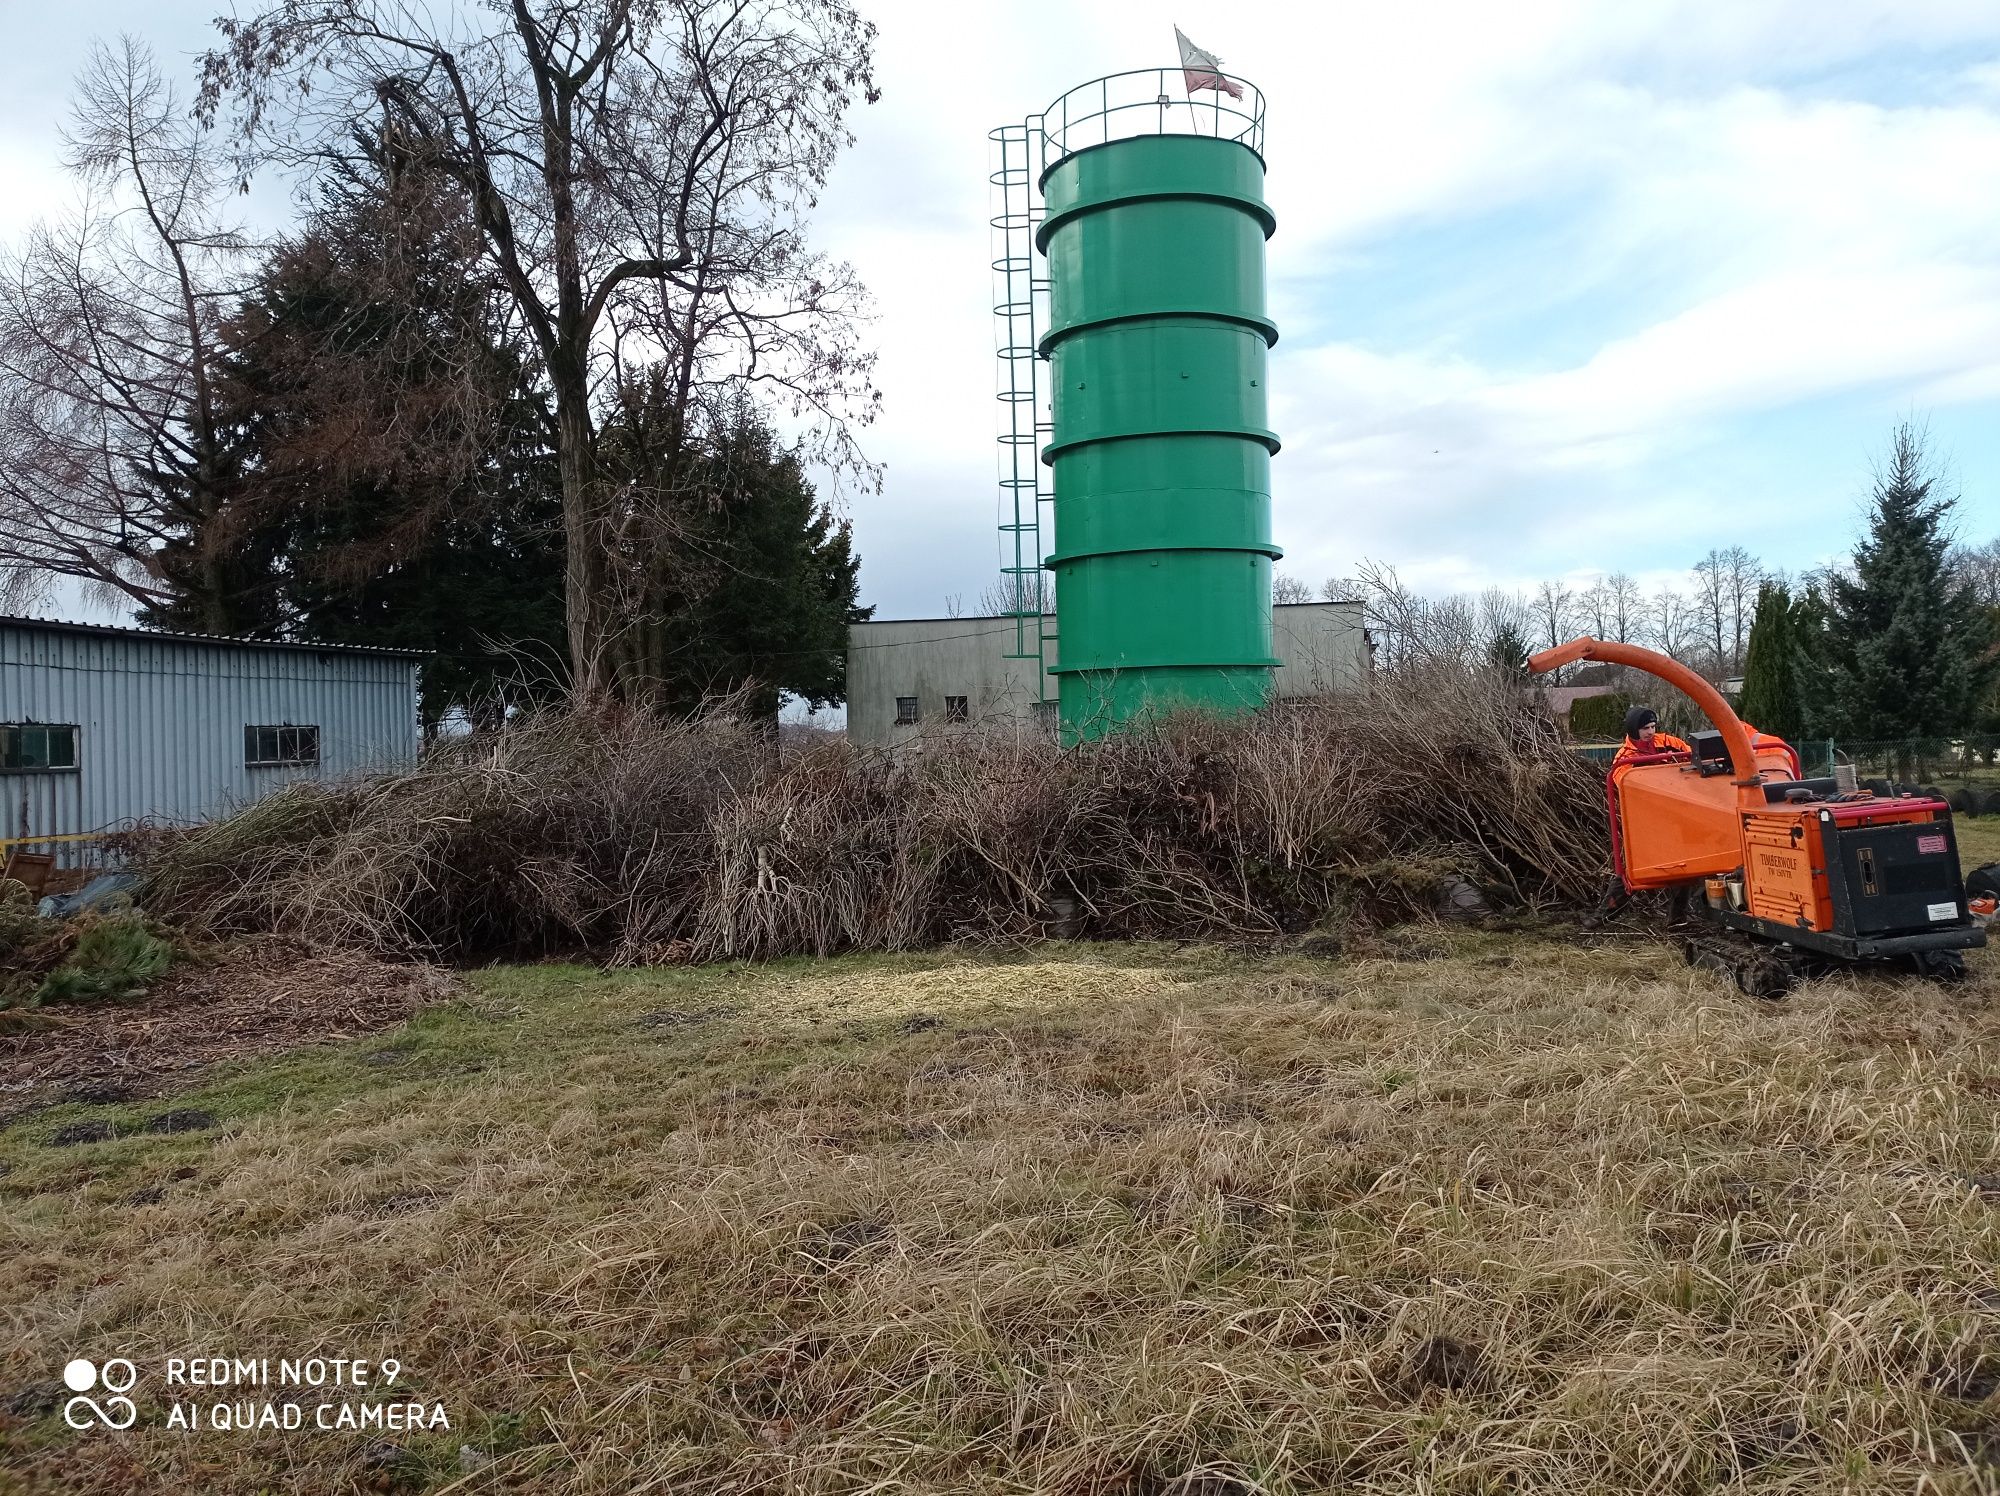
{"x": 1455, "y": 1213}
{"x": 1978, "y": 839}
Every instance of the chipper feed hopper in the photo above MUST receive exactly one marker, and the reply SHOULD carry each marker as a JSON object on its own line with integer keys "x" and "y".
{"x": 1789, "y": 872}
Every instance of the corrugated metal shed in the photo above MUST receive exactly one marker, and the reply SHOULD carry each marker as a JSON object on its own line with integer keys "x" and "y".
{"x": 160, "y": 719}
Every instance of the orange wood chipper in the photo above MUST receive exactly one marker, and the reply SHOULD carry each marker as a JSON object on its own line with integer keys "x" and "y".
{"x": 1796, "y": 870}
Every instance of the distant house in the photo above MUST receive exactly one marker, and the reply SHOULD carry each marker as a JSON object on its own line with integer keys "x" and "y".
{"x": 1561, "y": 698}
{"x": 101, "y": 726}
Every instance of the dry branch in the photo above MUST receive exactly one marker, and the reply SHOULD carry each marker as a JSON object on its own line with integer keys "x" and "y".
{"x": 688, "y": 840}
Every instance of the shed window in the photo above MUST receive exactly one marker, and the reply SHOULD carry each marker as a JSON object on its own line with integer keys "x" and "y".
{"x": 280, "y": 745}
{"x": 906, "y": 710}
{"x": 35, "y": 747}
{"x": 956, "y": 709}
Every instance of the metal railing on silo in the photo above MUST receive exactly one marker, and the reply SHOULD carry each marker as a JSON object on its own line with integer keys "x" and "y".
{"x": 1124, "y": 105}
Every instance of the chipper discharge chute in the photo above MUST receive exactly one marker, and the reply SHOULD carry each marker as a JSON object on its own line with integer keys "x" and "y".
{"x": 1790, "y": 872}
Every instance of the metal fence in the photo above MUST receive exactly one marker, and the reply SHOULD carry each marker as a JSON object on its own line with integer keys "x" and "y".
{"x": 1968, "y": 762}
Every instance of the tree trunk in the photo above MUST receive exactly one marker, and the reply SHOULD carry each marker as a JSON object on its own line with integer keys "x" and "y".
{"x": 592, "y": 671}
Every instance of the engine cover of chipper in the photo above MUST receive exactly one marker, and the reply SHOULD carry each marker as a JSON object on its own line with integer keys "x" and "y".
{"x": 1855, "y": 877}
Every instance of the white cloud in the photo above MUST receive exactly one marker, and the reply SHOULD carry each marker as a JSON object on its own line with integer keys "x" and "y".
{"x": 1752, "y": 228}
{"x": 1777, "y": 249}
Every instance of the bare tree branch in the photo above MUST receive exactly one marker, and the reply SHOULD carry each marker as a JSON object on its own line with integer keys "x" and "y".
{"x": 108, "y": 344}
{"x": 640, "y": 171}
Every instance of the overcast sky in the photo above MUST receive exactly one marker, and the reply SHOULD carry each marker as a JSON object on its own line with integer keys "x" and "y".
{"x": 1562, "y": 287}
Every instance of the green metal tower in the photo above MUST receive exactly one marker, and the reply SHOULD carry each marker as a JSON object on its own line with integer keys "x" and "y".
{"x": 1154, "y": 225}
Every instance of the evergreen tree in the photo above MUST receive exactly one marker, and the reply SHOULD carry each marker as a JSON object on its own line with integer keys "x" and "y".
{"x": 1599, "y": 719}
{"x": 764, "y": 579}
{"x": 1907, "y": 641}
{"x": 1772, "y": 698}
{"x": 390, "y": 475}
{"x": 775, "y": 614}
{"x": 217, "y": 561}
{"x": 1818, "y": 694}
{"x": 1507, "y": 652}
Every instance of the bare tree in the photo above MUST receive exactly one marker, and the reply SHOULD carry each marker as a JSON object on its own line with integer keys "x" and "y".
{"x": 1711, "y": 602}
{"x": 1453, "y": 629}
{"x": 1555, "y": 615}
{"x": 1552, "y": 611}
{"x": 1742, "y": 576}
{"x": 1016, "y": 592}
{"x": 1624, "y": 607}
{"x": 108, "y": 351}
{"x": 1408, "y": 627}
{"x": 1289, "y": 589}
{"x": 1725, "y": 592}
{"x": 1978, "y": 567}
{"x": 640, "y": 172}
{"x": 1594, "y": 608}
{"x": 1501, "y": 612}
{"x": 1670, "y": 622}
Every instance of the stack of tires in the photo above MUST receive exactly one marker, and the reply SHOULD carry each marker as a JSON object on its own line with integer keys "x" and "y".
{"x": 1966, "y": 800}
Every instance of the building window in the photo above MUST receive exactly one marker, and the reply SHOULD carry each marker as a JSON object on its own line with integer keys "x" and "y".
{"x": 294, "y": 746}
{"x": 906, "y": 710}
{"x": 956, "y": 709}
{"x": 36, "y": 747}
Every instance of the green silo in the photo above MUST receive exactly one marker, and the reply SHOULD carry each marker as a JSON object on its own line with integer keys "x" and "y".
{"x": 1161, "y": 449}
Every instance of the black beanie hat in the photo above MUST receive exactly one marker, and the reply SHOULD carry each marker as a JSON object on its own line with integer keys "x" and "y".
{"x": 1638, "y": 717}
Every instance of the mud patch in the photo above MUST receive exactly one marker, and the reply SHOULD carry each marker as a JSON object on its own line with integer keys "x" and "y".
{"x": 181, "y": 1119}
{"x": 36, "y": 1400}
{"x": 81, "y": 1132}
{"x": 1442, "y": 1361}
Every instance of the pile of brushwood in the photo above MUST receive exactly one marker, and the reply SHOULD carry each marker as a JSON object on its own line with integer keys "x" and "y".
{"x": 647, "y": 841}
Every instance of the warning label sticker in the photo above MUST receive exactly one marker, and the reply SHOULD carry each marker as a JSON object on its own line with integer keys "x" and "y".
{"x": 1944, "y": 911}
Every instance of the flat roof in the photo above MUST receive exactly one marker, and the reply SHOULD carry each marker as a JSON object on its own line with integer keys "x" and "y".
{"x": 1008, "y": 618}
{"x": 169, "y": 636}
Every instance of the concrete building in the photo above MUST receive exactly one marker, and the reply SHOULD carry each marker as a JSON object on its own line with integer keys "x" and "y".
{"x": 907, "y": 676}
{"x": 102, "y": 726}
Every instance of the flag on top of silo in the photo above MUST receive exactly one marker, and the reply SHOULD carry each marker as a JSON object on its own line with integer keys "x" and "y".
{"x": 1203, "y": 69}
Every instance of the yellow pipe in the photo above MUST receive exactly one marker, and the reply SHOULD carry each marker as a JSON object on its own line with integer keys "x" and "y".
{"x": 7, "y": 843}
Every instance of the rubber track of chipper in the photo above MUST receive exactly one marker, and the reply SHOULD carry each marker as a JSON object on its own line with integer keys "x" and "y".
{"x": 1757, "y": 970}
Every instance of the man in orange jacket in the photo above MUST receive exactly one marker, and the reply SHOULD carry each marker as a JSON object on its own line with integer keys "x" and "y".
{"x": 1643, "y": 737}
